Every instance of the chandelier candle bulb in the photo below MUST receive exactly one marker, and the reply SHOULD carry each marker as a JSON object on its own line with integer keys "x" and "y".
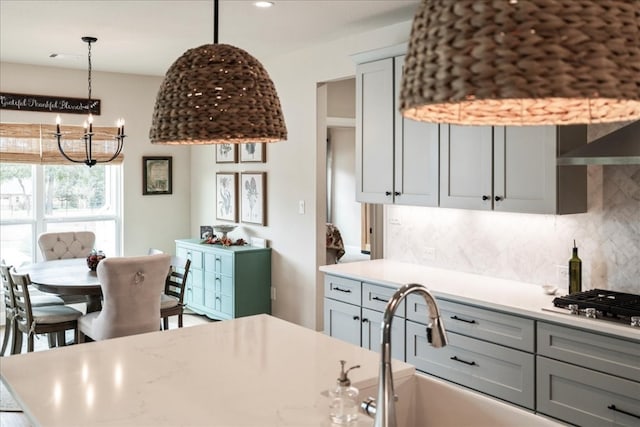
{"x": 58, "y": 120}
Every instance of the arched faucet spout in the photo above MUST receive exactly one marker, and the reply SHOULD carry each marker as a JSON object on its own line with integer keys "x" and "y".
{"x": 384, "y": 408}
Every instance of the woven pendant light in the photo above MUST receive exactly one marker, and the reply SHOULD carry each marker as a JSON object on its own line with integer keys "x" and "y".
{"x": 523, "y": 62}
{"x": 217, "y": 94}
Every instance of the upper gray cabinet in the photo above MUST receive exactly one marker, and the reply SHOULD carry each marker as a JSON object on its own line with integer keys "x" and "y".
{"x": 511, "y": 169}
{"x": 396, "y": 158}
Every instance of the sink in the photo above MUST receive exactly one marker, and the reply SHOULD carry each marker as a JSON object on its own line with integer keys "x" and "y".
{"x": 427, "y": 401}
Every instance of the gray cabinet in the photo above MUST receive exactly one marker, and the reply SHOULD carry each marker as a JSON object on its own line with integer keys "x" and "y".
{"x": 511, "y": 169}
{"x": 396, "y": 158}
{"x": 587, "y": 378}
{"x": 226, "y": 282}
{"x": 488, "y": 351}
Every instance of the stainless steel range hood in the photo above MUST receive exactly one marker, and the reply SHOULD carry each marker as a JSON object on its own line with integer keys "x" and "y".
{"x": 620, "y": 147}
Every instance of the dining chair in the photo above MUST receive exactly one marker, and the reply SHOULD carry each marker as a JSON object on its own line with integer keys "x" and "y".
{"x": 131, "y": 288}
{"x": 66, "y": 244}
{"x": 45, "y": 319}
{"x": 10, "y": 328}
{"x": 172, "y": 300}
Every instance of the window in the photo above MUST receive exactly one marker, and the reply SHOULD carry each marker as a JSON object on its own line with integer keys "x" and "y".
{"x": 39, "y": 198}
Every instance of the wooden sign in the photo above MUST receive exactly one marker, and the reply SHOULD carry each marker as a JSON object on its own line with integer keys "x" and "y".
{"x": 51, "y": 104}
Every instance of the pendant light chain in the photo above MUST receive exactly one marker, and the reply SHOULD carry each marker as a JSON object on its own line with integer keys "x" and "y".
{"x": 89, "y": 77}
{"x": 215, "y": 21}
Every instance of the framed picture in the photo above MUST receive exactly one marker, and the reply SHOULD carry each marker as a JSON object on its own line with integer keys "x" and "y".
{"x": 253, "y": 152}
{"x": 227, "y": 196}
{"x": 226, "y": 153}
{"x": 253, "y": 197}
{"x": 156, "y": 175}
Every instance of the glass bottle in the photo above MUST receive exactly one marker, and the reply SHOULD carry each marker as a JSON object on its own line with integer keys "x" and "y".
{"x": 344, "y": 405}
{"x": 575, "y": 272}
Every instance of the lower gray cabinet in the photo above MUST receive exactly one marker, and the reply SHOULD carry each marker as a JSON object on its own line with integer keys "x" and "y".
{"x": 371, "y": 333}
{"x": 342, "y": 321}
{"x": 491, "y": 368}
{"x": 585, "y": 397}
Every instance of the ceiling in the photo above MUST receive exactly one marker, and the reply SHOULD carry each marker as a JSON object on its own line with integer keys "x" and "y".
{"x": 146, "y": 36}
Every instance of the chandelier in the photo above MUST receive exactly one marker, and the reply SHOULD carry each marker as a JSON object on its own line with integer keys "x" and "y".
{"x": 217, "y": 94}
{"x": 88, "y": 134}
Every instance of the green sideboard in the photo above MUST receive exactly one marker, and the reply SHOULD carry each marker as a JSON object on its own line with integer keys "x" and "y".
{"x": 226, "y": 282}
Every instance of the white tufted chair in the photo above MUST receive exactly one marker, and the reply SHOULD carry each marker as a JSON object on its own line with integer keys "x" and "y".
{"x": 131, "y": 287}
{"x": 67, "y": 244}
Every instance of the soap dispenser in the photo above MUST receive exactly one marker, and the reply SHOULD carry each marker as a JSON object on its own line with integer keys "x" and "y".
{"x": 344, "y": 405}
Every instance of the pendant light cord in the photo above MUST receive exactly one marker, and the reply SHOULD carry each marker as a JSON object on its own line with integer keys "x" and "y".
{"x": 215, "y": 21}
{"x": 89, "y": 76}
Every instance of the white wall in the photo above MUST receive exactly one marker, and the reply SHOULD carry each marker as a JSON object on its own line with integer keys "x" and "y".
{"x": 122, "y": 95}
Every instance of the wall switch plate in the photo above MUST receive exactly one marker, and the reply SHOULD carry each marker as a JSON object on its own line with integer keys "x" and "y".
{"x": 562, "y": 274}
{"x": 301, "y": 207}
{"x": 258, "y": 242}
{"x": 273, "y": 293}
{"x": 430, "y": 254}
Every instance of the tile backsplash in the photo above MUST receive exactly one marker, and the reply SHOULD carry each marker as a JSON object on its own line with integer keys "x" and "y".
{"x": 529, "y": 247}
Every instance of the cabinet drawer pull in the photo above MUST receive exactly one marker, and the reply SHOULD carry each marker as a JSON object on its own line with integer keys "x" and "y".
{"x": 455, "y": 358}
{"x": 380, "y": 299}
{"x": 462, "y": 320}
{"x": 346, "y": 291}
{"x": 485, "y": 198}
{"x": 387, "y": 193}
{"x": 613, "y": 408}
{"x": 498, "y": 198}
{"x": 356, "y": 317}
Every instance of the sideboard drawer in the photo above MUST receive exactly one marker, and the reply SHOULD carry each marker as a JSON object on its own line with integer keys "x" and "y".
{"x": 591, "y": 350}
{"x": 376, "y": 297}
{"x": 217, "y": 262}
{"x": 194, "y": 255}
{"x": 493, "y": 369}
{"x": 501, "y": 328}
{"x": 584, "y": 397}
{"x": 341, "y": 289}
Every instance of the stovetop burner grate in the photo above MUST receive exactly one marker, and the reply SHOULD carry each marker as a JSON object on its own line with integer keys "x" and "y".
{"x": 608, "y": 302}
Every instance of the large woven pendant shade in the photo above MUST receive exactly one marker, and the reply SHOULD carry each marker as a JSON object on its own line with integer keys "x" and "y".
{"x": 523, "y": 62}
{"x": 217, "y": 94}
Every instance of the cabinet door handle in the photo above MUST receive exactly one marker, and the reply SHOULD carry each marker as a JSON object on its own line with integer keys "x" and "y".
{"x": 455, "y": 358}
{"x": 380, "y": 299}
{"x": 346, "y": 291}
{"x": 485, "y": 198}
{"x": 613, "y": 408}
{"x": 356, "y": 317}
{"x": 387, "y": 193}
{"x": 498, "y": 198}
{"x": 396, "y": 193}
{"x": 365, "y": 320}
{"x": 462, "y": 320}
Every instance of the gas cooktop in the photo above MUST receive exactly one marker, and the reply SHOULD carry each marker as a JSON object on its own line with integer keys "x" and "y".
{"x": 603, "y": 304}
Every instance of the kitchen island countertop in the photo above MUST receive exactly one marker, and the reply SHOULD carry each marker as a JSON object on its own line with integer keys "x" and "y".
{"x": 251, "y": 371}
{"x": 525, "y": 299}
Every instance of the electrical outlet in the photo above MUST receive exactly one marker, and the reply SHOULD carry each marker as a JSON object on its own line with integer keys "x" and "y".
{"x": 562, "y": 274}
{"x": 430, "y": 254}
{"x": 273, "y": 293}
{"x": 395, "y": 220}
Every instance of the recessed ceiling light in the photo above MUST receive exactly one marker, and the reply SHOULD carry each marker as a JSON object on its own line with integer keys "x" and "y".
{"x": 263, "y": 4}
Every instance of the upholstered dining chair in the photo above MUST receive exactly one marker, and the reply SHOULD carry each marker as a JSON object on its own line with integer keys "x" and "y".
{"x": 10, "y": 329}
{"x": 66, "y": 244}
{"x": 46, "y": 319}
{"x": 172, "y": 300}
{"x": 131, "y": 288}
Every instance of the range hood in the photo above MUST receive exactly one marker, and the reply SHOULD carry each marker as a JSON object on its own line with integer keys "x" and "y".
{"x": 620, "y": 147}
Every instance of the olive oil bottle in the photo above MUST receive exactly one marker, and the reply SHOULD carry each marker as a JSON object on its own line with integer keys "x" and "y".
{"x": 575, "y": 272}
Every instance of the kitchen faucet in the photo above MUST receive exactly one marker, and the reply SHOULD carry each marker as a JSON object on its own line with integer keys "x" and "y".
{"x": 385, "y": 410}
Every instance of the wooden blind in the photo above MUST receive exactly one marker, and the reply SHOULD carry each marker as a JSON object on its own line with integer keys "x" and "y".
{"x": 34, "y": 143}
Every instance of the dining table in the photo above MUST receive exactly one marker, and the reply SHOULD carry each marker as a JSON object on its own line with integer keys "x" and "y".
{"x": 66, "y": 277}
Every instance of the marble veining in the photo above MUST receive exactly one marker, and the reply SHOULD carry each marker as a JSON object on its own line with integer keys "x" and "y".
{"x": 528, "y": 247}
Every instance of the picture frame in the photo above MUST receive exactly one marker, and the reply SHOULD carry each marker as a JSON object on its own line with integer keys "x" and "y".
{"x": 227, "y": 196}
{"x": 253, "y": 197}
{"x": 226, "y": 153}
{"x": 157, "y": 175}
{"x": 253, "y": 152}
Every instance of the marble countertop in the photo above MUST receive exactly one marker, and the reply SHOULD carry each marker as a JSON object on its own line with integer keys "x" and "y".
{"x": 511, "y": 296}
{"x": 251, "y": 371}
